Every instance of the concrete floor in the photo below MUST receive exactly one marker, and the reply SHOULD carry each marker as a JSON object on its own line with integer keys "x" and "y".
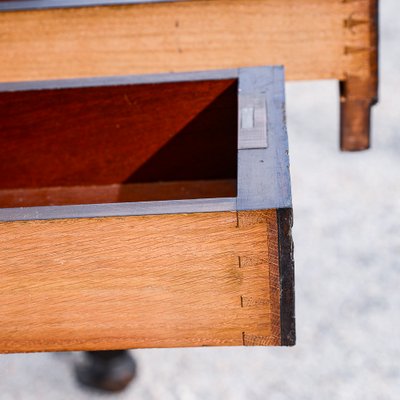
{"x": 347, "y": 225}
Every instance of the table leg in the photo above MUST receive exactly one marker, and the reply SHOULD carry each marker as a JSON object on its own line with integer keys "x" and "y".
{"x": 109, "y": 371}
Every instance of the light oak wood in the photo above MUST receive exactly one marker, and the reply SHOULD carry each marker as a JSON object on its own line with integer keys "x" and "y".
{"x": 133, "y": 282}
{"x": 314, "y": 39}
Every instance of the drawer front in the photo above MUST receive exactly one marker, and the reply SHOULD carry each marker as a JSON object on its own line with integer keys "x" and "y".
{"x": 172, "y": 273}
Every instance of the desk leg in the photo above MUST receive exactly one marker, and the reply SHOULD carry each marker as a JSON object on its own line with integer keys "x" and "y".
{"x": 109, "y": 371}
{"x": 357, "y": 96}
{"x": 359, "y": 90}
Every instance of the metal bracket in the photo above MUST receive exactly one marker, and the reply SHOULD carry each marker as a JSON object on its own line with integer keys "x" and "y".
{"x": 252, "y": 122}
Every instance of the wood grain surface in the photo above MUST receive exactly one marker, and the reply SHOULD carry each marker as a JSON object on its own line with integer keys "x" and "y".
{"x": 134, "y": 282}
{"x": 314, "y": 39}
{"x": 118, "y": 134}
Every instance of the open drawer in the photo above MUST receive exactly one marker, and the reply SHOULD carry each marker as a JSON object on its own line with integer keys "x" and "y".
{"x": 145, "y": 211}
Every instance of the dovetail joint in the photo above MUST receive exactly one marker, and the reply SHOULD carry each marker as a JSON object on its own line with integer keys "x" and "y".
{"x": 354, "y": 50}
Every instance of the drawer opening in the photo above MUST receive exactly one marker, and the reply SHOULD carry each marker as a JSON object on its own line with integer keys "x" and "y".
{"x": 118, "y": 143}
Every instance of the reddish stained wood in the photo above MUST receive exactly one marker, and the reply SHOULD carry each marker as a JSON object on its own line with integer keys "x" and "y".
{"x": 108, "y": 135}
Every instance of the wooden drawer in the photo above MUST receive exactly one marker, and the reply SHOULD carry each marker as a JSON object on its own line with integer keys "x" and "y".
{"x": 145, "y": 211}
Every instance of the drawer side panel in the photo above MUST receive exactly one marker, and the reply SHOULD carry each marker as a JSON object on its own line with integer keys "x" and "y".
{"x": 202, "y": 279}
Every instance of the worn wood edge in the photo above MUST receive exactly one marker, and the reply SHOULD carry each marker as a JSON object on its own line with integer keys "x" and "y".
{"x": 286, "y": 270}
{"x": 374, "y": 37}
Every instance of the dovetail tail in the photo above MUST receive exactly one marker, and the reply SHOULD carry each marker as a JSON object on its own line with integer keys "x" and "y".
{"x": 254, "y": 301}
{"x": 351, "y": 22}
{"x": 354, "y": 50}
{"x": 257, "y": 340}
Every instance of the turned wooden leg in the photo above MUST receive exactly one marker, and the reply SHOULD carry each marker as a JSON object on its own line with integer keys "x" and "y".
{"x": 109, "y": 371}
{"x": 357, "y": 96}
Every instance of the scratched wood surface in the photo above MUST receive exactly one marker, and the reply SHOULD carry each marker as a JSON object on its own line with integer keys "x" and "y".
{"x": 134, "y": 282}
{"x": 314, "y": 39}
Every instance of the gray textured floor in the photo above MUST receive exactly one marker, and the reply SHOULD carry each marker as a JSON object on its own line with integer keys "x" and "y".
{"x": 347, "y": 237}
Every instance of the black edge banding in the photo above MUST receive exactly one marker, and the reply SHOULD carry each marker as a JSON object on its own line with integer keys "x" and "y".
{"x": 32, "y": 5}
{"x": 286, "y": 273}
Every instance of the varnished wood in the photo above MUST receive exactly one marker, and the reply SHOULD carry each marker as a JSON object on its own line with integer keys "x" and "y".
{"x": 92, "y": 284}
{"x": 61, "y": 195}
{"x": 118, "y": 134}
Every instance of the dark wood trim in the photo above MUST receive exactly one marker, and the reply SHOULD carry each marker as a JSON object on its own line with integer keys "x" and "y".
{"x": 19, "y": 5}
{"x": 286, "y": 271}
{"x": 374, "y": 34}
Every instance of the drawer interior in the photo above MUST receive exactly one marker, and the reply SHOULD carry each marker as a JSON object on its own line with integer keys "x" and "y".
{"x": 118, "y": 143}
